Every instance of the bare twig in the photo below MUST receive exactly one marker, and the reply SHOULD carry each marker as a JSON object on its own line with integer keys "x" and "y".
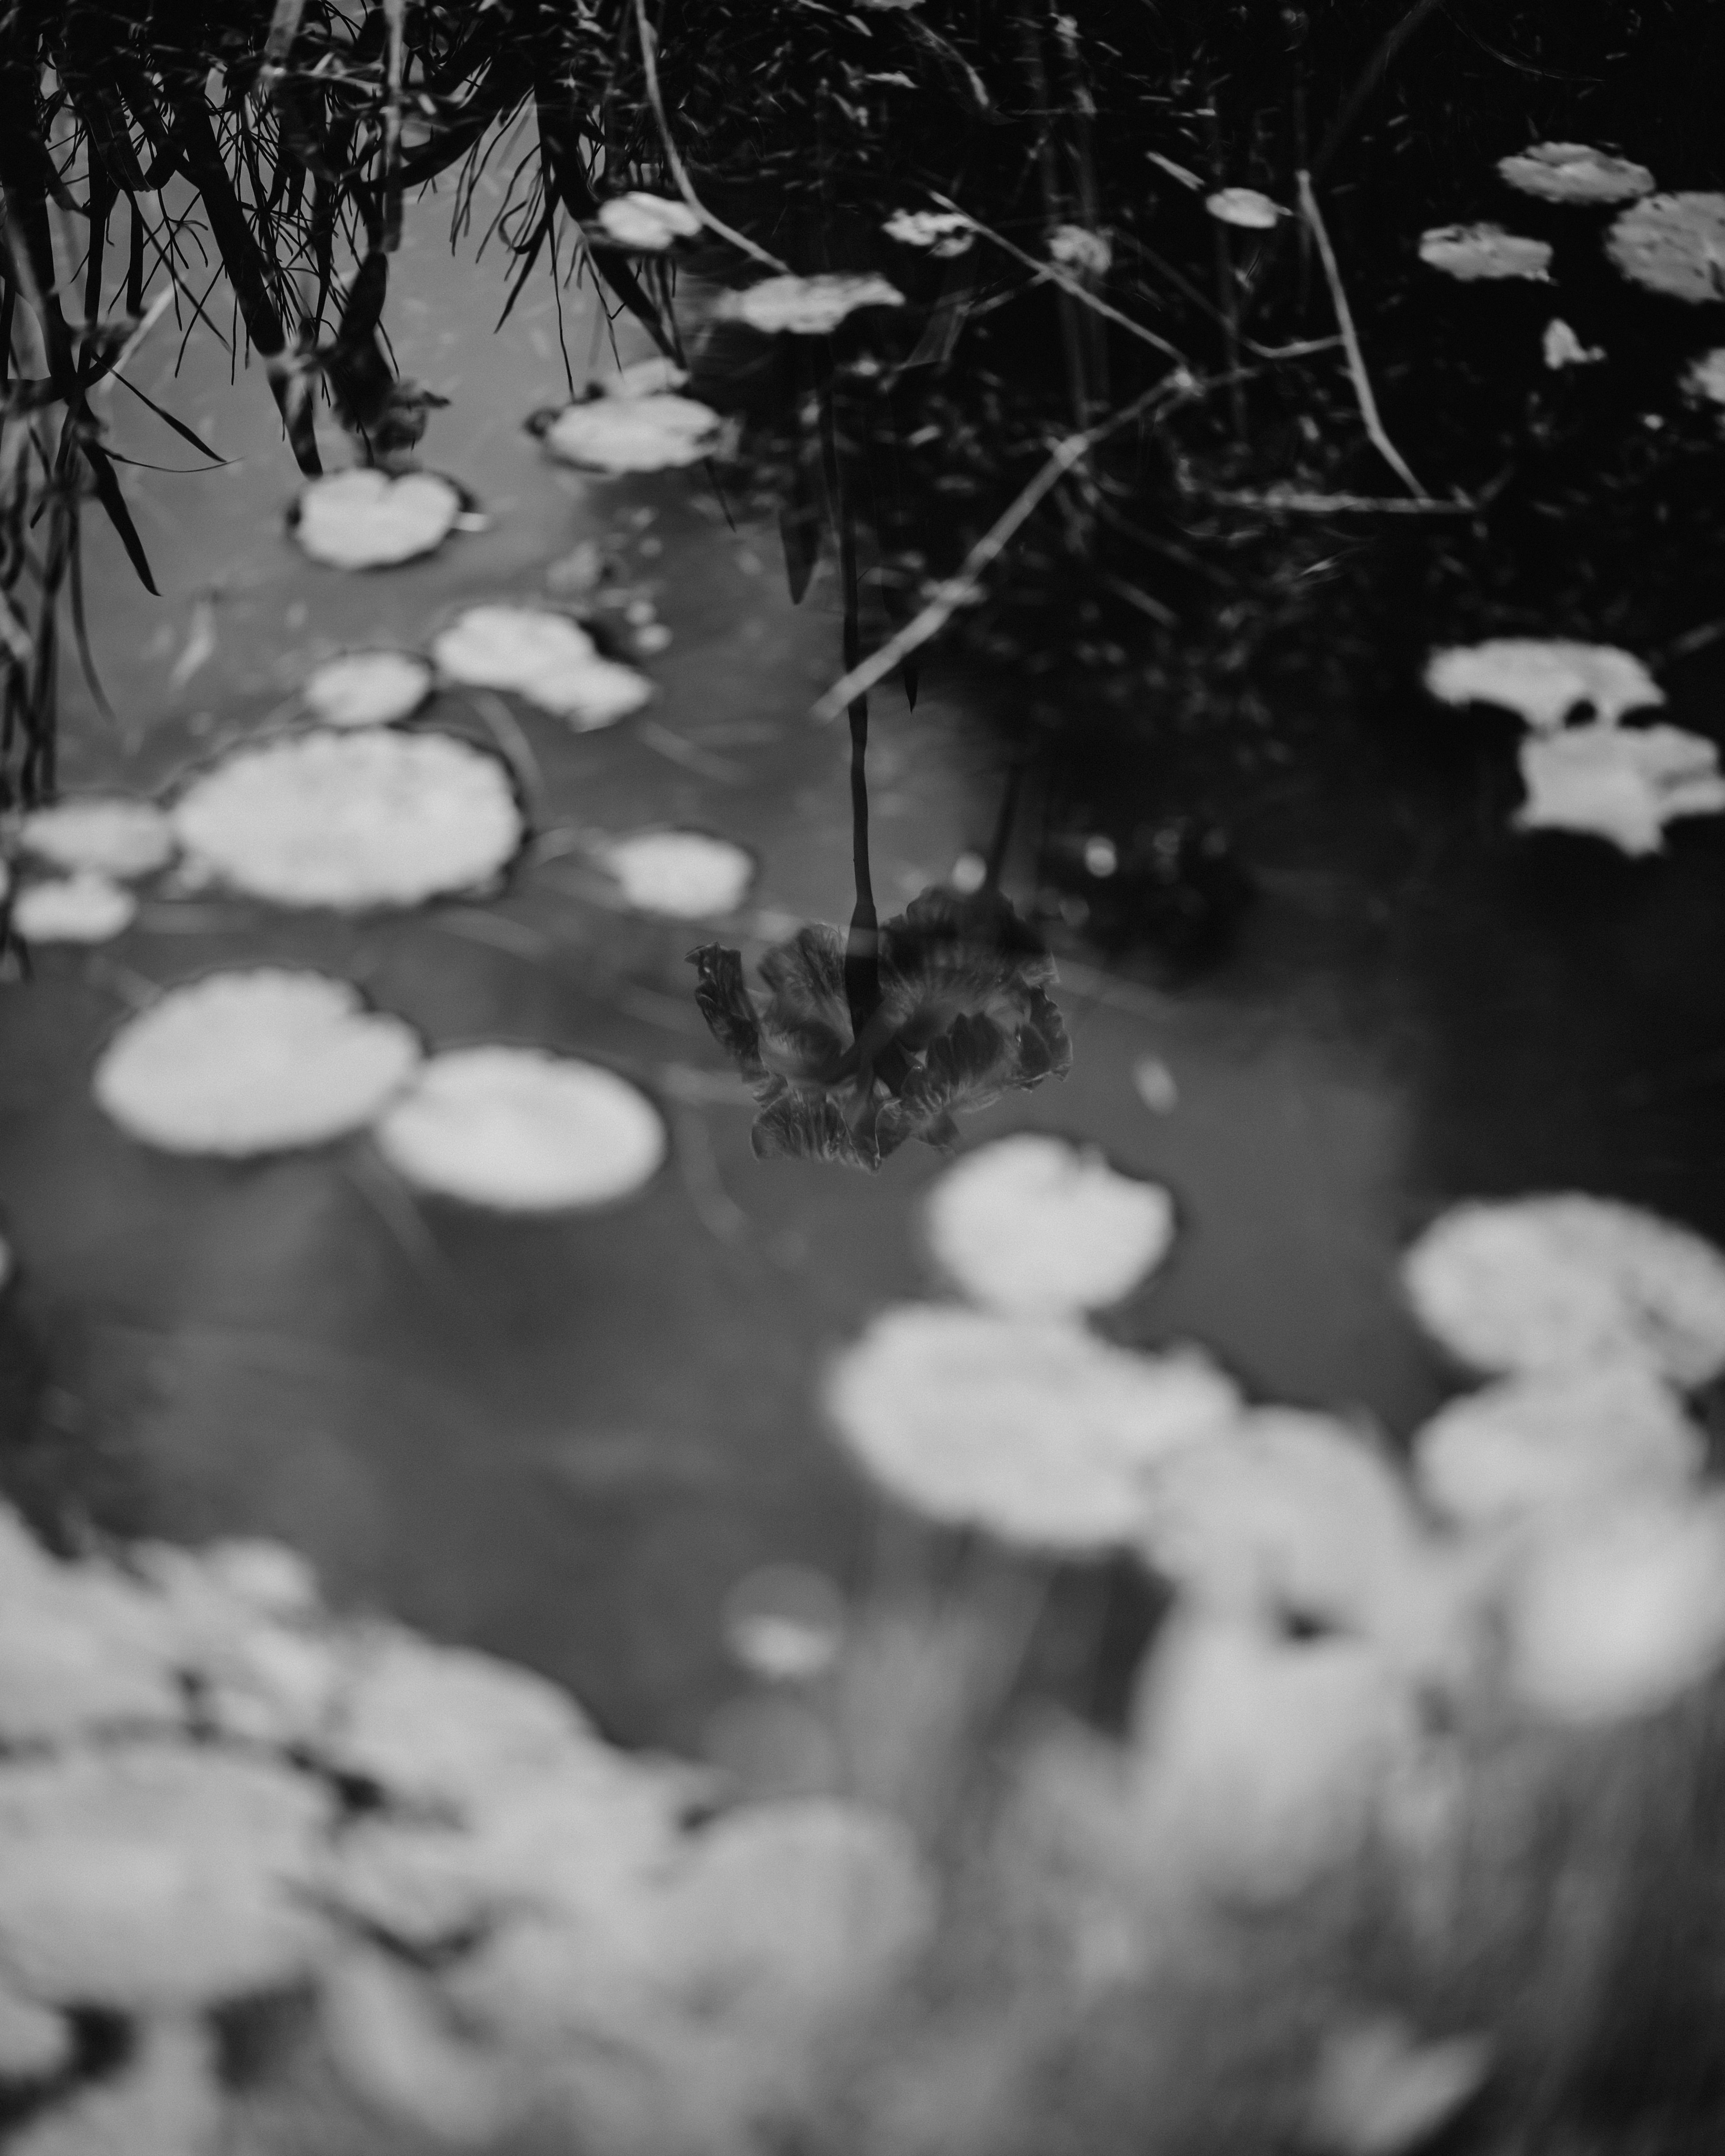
{"x": 1350, "y": 341}
{"x": 680, "y": 172}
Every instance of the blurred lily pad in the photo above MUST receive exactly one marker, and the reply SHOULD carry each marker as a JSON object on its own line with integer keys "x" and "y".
{"x": 86, "y": 908}
{"x": 1673, "y": 243}
{"x": 1477, "y": 253}
{"x": 366, "y": 518}
{"x": 543, "y": 656}
{"x": 1574, "y": 172}
{"x": 1543, "y": 679}
{"x": 806, "y": 306}
{"x": 1621, "y": 784}
{"x": 368, "y": 688}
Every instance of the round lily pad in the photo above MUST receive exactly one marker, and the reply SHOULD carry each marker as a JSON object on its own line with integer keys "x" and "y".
{"x": 1673, "y": 243}
{"x": 368, "y": 688}
{"x": 1574, "y": 172}
{"x": 86, "y": 908}
{"x": 543, "y": 656}
{"x": 106, "y": 835}
{"x": 626, "y": 434}
{"x": 646, "y": 223}
{"x": 1543, "y": 679}
{"x": 365, "y": 519}
{"x": 688, "y": 876}
{"x": 1483, "y": 252}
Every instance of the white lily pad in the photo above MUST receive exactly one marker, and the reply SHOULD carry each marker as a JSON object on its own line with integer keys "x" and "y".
{"x": 633, "y": 432}
{"x": 653, "y": 377}
{"x": 545, "y": 657}
{"x": 1568, "y": 1283}
{"x": 943, "y": 233}
{"x": 1561, "y": 347}
{"x": 1077, "y": 247}
{"x": 1244, "y": 207}
{"x": 1527, "y": 1448}
{"x": 157, "y": 1877}
{"x": 1381, "y": 2090}
{"x": 1034, "y": 1224}
{"x": 102, "y": 833}
{"x": 1035, "y": 1431}
{"x": 1543, "y": 679}
{"x": 806, "y": 306}
{"x": 352, "y": 820}
{"x": 1574, "y": 172}
{"x": 645, "y": 223}
{"x": 1474, "y": 253}
{"x": 365, "y": 519}
{"x": 1621, "y": 784}
{"x": 253, "y": 1062}
{"x": 1258, "y": 1760}
{"x": 86, "y": 908}
{"x": 1673, "y": 243}
{"x": 83, "y": 1650}
{"x": 1620, "y": 1612}
{"x": 1293, "y": 1518}
{"x": 165, "y": 2100}
{"x": 1705, "y": 377}
{"x": 368, "y": 688}
{"x": 687, "y": 875}
{"x": 519, "y": 1130}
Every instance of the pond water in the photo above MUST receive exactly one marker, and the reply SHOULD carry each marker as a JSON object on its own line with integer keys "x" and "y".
{"x": 1315, "y": 983}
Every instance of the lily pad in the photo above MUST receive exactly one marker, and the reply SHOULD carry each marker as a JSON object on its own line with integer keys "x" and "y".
{"x": 687, "y": 875}
{"x": 1620, "y": 1613}
{"x": 1574, "y": 172}
{"x": 396, "y": 2047}
{"x": 806, "y": 306}
{"x": 1561, "y": 347}
{"x": 1077, "y": 247}
{"x": 100, "y": 834}
{"x": 545, "y": 657}
{"x": 368, "y": 688}
{"x": 944, "y": 233}
{"x": 255, "y": 1062}
{"x": 1624, "y": 785}
{"x": 1244, "y": 207}
{"x": 366, "y": 519}
{"x": 1705, "y": 379}
{"x": 1034, "y": 1224}
{"x": 519, "y": 1130}
{"x": 1543, "y": 680}
{"x": 633, "y": 433}
{"x": 1528, "y": 1448}
{"x": 1567, "y": 1283}
{"x": 1035, "y": 1431}
{"x": 157, "y": 1877}
{"x": 644, "y": 223}
{"x": 86, "y": 908}
{"x": 352, "y": 820}
{"x": 1475, "y": 253}
{"x": 1673, "y": 243}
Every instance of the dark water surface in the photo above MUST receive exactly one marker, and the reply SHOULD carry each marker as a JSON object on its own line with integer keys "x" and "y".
{"x": 566, "y": 1440}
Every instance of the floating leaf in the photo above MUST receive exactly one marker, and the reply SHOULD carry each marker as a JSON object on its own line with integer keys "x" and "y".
{"x": 1543, "y": 679}
{"x": 1620, "y": 1611}
{"x": 1562, "y": 347}
{"x": 75, "y": 909}
{"x": 1244, "y": 207}
{"x": 1035, "y": 1225}
{"x": 1474, "y": 252}
{"x": 1574, "y": 172}
{"x": 352, "y": 820}
{"x": 1381, "y": 2090}
{"x": 523, "y": 1131}
{"x": 82, "y": 1649}
{"x": 1621, "y": 785}
{"x": 545, "y": 657}
{"x": 1076, "y": 247}
{"x": 1035, "y": 1431}
{"x": 943, "y": 233}
{"x": 1258, "y": 1759}
{"x": 806, "y": 306}
{"x": 366, "y": 519}
{"x": 1705, "y": 379}
{"x": 687, "y": 874}
{"x": 1557, "y": 1283}
{"x": 255, "y": 1062}
{"x": 647, "y": 224}
{"x": 633, "y": 433}
{"x": 156, "y": 1876}
{"x": 1527, "y": 1448}
{"x": 105, "y": 835}
{"x": 1673, "y": 243}
{"x": 368, "y": 688}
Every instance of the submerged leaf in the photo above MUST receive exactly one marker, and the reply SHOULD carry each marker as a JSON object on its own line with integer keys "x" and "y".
{"x": 1568, "y": 1283}
{"x": 368, "y": 688}
{"x": 1543, "y": 679}
{"x": 1475, "y": 252}
{"x": 523, "y": 1131}
{"x": 255, "y": 1062}
{"x": 1035, "y": 1225}
{"x": 352, "y": 820}
{"x": 1035, "y": 1431}
{"x": 806, "y": 306}
{"x": 629, "y": 431}
{"x": 1574, "y": 172}
{"x": 1621, "y": 785}
{"x": 1673, "y": 243}
{"x": 545, "y": 657}
{"x": 366, "y": 519}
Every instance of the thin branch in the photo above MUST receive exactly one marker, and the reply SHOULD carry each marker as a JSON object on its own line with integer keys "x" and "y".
{"x": 1350, "y": 341}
